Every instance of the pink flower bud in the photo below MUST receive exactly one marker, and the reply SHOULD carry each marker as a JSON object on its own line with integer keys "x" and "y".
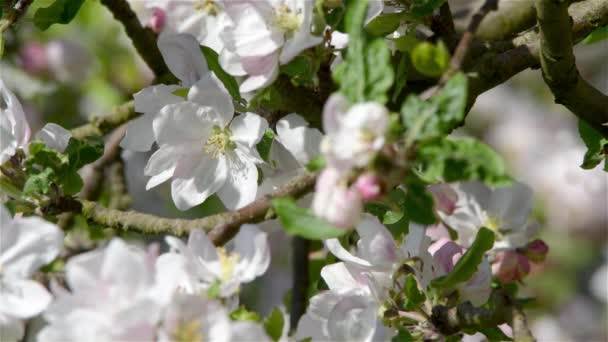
{"x": 445, "y": 197}
{"x": 368, "y": 186}
{"x": 536, "y": 251}
{"x": 510, "y": 266}
{"x": 34, "y": 58}
{"x": 158, "y": 20}
{"x": 335, "y": 202}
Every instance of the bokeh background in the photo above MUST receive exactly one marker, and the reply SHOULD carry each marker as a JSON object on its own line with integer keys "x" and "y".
{"x": 68, "y": 73}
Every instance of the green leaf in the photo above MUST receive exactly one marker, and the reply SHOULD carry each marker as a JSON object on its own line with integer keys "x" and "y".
{"x": 84, "y": 151}
{"x": 422, "y": 8}
{"x": 265, "y": 144}
{"x": 242, "y": 314}
{"x": 42, "y": 155}
{"x": 59, "y": 12}
{"x": 39, "y": 183}
{"x": 228, "y": 80}
{"x": 70, "y": 181}
{"x": 419, "y": 203}
{"x": 302, "y": 71}
{"x": 301, "y": 222}
{"x": 316, "y": 164}
{"x": 379, "y": 72}
{"x": 273, "y": 324}
{"x": 597, "y": 146}
{"x": 460, "y": 159}
{"x": 413, "y": 295}
{"x": 467, "y": 265}
{"x": 384, "y": 24}
{"x": 438, "y": 116}
{"x": 599, "y": 34}
{"x": 430, "y": 59}
{"x": 182, "y": 92}
{"x": 403, "y": 336}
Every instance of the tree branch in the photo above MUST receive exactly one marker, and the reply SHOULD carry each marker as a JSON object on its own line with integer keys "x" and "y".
{"x": 223, "y": 226}
{"x": 511, "y": 18}
{"x": 559, "y": 66}
{"x": 521, "y": 332}
{"x": 299, "y": 287}
{"x": 100, "y": 125}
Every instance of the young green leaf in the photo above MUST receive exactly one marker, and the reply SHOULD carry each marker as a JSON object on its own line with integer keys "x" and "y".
{"x": 422, "y": 8}
{"x": 598, "y": 35}
{"x": 467, "y": 265}
{"x": 419, "y": 202}
{"x": 59, "y": 12}
{"x": 228, "y": 80}
{"x": 384, "y": 24}
{"x": 84, "y": 151}
{"x": 242, "y": 314}
{"x": 302, "y": 71}
{"x": 274, "y": 323}
{"x": 39, "y": 183}
{"x": 403, "y": 336}
{"x": 413, "y": 296}
{"x": 430, "y": 59}
{"x": 597, "y": 146}
{"x": 265, "y": 144}
{"x": 301, "y": 222}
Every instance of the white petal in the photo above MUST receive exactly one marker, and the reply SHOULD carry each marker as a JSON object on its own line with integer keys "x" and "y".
{"x": 376, "y": 243}
{"x": 54, "y": 136}
{"x": 353, "y": 319}
{"x": 256, "y": 82}
{"x": 338, "y": 276}
{"x": 336, "y": 248}
{"x": 210, "y": 92}
{"x": 183, "y": 56}
{"x": 201, "y": 247}
{"x": 302, "y": 39}
{"x": 181, "y": 123}
{"x": 241, "y": 183}
{"x": 248, "y": 331}
{"x": 248, "y": 129}
{"x": 28, "y": 243}
{"x": 150, "y": 100}
{"x": 162, "y": 163}
{"x": 231, "y": 63}
{"x": 310, "y": 327}
{"x": 303, "y": 142}
{"x": 251, "y": 36}
{"x": 335, "y": 107}
{"x": 374, "y": 9}
{"x": 195, "y": 180}
{"x": 251, "y": 245}
{"x": 12, "y": 112}
{"x": 126, "y": 267}
{"x": 139, "y": 136}
{"x": 23, "y": 298}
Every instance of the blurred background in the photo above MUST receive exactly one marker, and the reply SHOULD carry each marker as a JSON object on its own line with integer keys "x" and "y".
{"x": 68, "y": 73}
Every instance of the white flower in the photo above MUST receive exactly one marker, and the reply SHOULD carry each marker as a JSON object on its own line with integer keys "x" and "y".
{"x": 339, "y": 315}
{"x": 504, "y": 210}
{"x": 26, "y": 244}
{"x": 183, "y": 57}
{"x": 335, "y": 201}
{"x": 205, "y": 266}
{"x": 355, "y": 134}
{"x": 115, "y": 294}
{"x": 205, "y": 149}
{"x": 54, "y": 136}
{"x": 264, "y": 34}
{"x": 14, "y": 129}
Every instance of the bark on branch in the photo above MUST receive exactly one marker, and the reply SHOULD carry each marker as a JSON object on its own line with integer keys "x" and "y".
{"x": 100, "y": 125}
{"x": 559, "y": 66}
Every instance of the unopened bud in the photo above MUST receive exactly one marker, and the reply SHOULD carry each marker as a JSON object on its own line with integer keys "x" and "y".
{"x": 158, "y": 20}
{"x": 334, "y": 201}
{"x": 510, "y": 266}
{"x": 536, "y": 251}
{"x": 34, "y": 58}
{"x": 368, "y": 186}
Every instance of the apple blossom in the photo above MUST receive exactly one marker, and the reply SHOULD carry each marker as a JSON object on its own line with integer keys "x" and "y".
{"x": 14, "y": 129}
{"x": 26, "y": 244}
{"x": 206, "y": 149}
{"x": 183, "y": 57}
{"x": 504, "y": 210}
{"x": 115, "y": 294}
{"x": 510, "y": 266}
{"x": 335, "y": 201}
{"x": 263, "y": 35}
{"x": 205, "y": 266}
{"x": 354, "y": 134}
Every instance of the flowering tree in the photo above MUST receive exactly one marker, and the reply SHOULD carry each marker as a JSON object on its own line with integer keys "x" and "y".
{"x": 416, "y": 234}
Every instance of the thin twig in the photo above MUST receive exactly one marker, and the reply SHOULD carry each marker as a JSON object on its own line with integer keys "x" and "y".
{"x": 521, "y": 331}
{"x": 102, "y": 124}
{"x": 300, "y": 281}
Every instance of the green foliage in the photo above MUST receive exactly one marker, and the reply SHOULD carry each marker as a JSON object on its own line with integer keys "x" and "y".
{"x": 597, "y": 146}
{"x": 418, "y": 203}
{"x": 242, "y": 314}
{"x": 384, "y": 24}
{"x": 302, "y": 71}
{"x": 39, "y": 183}
{"x": 494, "y": 334}
{"x": 467, "y": 265}
{"x": 59, "y": 12}
{"x": 265, "y": 144}
{"x": 599, "y": 34}
{"x": 316, "y": 164}
{"x": 228, "y": 80}
{"x": 301, "y": 222}
{"x": 439, "y": 115}
{"x": 430, "y": 59}
{"x": 422, "y": 8}
{"x": 460, "y": 159}
{"x": 413, "y": 296}
{"x": 84, "y": 151}
{"x": 273, "y": 324}
{"x": 403, "y": 336}
{"x": 366, "y": 74}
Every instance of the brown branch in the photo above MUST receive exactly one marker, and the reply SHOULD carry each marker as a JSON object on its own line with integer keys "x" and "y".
{"x": 222, "y": 226}
{"x": 100, "y": 125}
{"x": 510, "y": 18}
{"x": 300, "y": 280}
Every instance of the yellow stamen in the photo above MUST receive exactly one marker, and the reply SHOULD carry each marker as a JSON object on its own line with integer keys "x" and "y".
{"x": 287, "y": 20}
{"x": 219, "y": 142}
{"x": 188, "y": 332}
{"x": 227, "y": 263}
{"x": 207, "y": 6}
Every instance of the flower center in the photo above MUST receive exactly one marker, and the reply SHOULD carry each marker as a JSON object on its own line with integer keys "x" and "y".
{"x": 287, "y": 20}
{"x": 188, "y": 332}
{"x": 219, "y": 142}
{"x": 207, "y": 6}
{"x": 493, "y": 223}
{"x": 227, "y": 263}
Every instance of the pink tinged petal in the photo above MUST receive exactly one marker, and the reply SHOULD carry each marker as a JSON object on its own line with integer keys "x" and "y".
{"x": 510, "y": 265}
{"x": 54, "y": 136}
{"x": 26, "y": 244}
{"x": 231, "y": 63}
{"x": 248, "y": 129}
{"x": 182, "y": 123}
{"x": 300, "y": 140}
{"x": 34, "y": 58}
{"x": 262, "y": 80}
{"x": 376, "y": 243}
{"x": 445, "y": 197}
{"x": 368, "y": 186}
{"x": 251, "y": 245}
{"x": 333, "y": 111}
{"x": 183, "y": 57}
{"x": 195, "y": 180}
{"x": 446, "y": 253}
{"x": 158, "y": 20}
{"x": 210, "y": 92}
{"x": 23, "y": 298}
{"x": 478, "y": 289}
{"x": 240, "y": 187}
{"x": 259, "y": 65}
{"x": 536, "y": 251}
{"x": 139, "y": 136}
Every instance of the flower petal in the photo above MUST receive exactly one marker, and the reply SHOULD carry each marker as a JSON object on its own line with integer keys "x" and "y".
{"x": 152, "y": 99}
{"x": 54, "y": 136}
{"x": 241, "y": 183}
{"x": 335, "y": 107}
{"x": 138, "y": 136}
{"x": 303, "y": 142}
{"x": 261, "y": 80}
{"x": 376, "y": 243}
{"x": 23, "y": 298}
{"x": 248, "y": 129}
{"x": 210, "y": 92}
{"x": 182, "y": 123}
{"x": 195, "y": 180}
{"x": 251, "y": 245}
{"x": 183, "y": 57}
